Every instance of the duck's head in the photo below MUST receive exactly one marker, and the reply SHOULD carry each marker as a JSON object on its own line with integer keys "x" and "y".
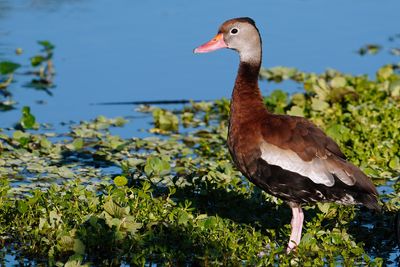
{"x": 240, "y": 34}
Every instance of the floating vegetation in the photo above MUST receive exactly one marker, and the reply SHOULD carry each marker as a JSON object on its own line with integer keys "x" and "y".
{"x": 27, "y": 121}
{"x": 174, "y": 198}
{"x": 370, "y": 49}
{"x": 373, "y": 49}
{"x": 7, "y": 69}
{"x": 42, "y": 70}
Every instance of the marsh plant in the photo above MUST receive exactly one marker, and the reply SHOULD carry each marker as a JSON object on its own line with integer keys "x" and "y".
{"x": 90, "y": 197}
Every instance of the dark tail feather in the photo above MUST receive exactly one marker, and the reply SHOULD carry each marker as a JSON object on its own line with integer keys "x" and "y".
{"x": 367, "y": 193}
{"x": 371, "y": 202}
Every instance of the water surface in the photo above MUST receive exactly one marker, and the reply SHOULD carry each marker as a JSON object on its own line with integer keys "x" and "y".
{"x": 142, "y": 50}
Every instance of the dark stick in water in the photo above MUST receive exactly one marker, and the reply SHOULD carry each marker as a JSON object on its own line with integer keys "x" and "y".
{"x": 154, "y": 102}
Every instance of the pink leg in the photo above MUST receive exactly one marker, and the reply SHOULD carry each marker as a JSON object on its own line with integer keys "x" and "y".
{"x": 296, "y": 225}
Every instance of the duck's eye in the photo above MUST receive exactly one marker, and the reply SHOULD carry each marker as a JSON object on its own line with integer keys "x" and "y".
{"x": 234, "y": 31}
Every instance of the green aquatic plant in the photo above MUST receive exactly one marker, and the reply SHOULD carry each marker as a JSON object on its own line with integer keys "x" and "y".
{"x": 88, "y": 196}
{"x": 371, "y": 49}
{"x": 7, "y": 69}
{"x": 28, "y": 120}
{"x": 43, "y": 71}
{"x": 43, "y": 67}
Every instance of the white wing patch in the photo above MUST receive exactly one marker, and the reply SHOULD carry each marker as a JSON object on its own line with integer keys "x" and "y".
{"x": 319, "y": 170}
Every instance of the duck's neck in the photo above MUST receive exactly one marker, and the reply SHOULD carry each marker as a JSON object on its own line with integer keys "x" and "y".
{"x": 247, "y": 101}
{"x": 247, "y": 77}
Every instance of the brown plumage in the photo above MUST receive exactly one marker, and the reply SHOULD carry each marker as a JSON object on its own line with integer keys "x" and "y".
{"x": 287, "y": 156}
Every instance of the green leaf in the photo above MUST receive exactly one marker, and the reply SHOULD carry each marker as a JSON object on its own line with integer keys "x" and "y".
{"x": 18, "y": 135}
{"x": 79, "y": 247}
{"x": 22, "y": 206}
{"x": 156, "y": 166}
{"x": 278, "y": 97}
{"x": 66, "y": 242}
{"x": 321, "y": 89}
{"x": 319, "y": 105}
{"x": 27, "y": 121}
{"x": 338, "y": 82}
{"x": 37, "y": 60}
{"x": 299, "y": 99}
{"x": 45, "y": 143}
{"x": 75, "y": 261}
{"x": 120, "y": 180}
{"x": 65, "y": 172}
{"x": 120, "y": 121}
{"x": 210, "y": 222}
{"x": 78, "y": 143}
{"x": 307, "y": 239}
{"x": 183, "y": 218}
{"x": 296, "y": 111}
{"x": 278, "y": 74}
{"x": 385, "y": 72}
{"x": 324, "y": 207}
{"x": 338, "y": 132}
{"x": 46, "y": 45}
{"x": 133, "y": 162}
{"x": 394, "y": 163}
{"x": 8, "y": 67}
{"x": 371, "y": 49}
{"x": 394, "y": 88}
{"x": 114, "y": 210}
{"x": 131, "y": 225}
{"x": 115, "y": 142}
{"x": 165, "y": 120}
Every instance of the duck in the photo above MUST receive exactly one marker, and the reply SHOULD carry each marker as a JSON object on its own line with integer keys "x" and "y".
{"x": 286, "y": 156}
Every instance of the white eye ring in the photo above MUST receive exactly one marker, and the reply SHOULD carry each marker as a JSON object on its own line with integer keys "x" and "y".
{"x": 234, "y": 31}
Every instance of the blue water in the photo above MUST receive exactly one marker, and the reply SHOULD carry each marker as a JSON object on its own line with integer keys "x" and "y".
{"x": 142, "y": 50}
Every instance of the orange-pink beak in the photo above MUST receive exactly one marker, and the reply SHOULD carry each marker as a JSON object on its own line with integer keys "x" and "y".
{"x": 216, "y": 43}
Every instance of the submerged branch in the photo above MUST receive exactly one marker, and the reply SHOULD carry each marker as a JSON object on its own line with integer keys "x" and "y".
{"x": 152, "y": 102}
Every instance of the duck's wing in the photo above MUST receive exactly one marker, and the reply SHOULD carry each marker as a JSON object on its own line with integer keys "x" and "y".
{"x": 297, "y": 145}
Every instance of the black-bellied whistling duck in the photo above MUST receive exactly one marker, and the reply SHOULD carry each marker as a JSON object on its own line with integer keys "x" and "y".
{"x": 286, "y": 156}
